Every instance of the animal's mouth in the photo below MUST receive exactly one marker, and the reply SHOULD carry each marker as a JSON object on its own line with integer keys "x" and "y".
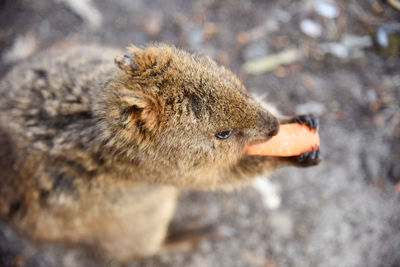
{"x": 258, "y": 141}
{"x": 263, "y": 139}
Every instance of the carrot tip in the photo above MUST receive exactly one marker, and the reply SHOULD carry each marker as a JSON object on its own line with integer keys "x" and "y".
{"x": 292, "y": 139}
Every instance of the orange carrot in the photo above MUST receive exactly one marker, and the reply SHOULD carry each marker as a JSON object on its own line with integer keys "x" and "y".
{"x": 291, "y": 140}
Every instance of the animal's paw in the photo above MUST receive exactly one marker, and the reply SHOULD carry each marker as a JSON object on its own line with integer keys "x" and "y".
{"x": 309, "y": 120}
{"x": 308, "y": 158}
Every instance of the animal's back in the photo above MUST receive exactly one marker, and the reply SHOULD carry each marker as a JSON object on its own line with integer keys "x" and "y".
{"x": 53, "y": 186}
{"x": 54, "y": 90}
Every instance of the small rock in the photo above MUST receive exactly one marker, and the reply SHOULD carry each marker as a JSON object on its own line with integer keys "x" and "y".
{"x": 326, "y": 9}
{"x": 337, "y": 49}
{"x": 355, "y": 41}
{"x": 382, "y": 37}
{"x": 350, "y": 46}
{"x": 388, "y": 40}
{"x": 311, "y": 28}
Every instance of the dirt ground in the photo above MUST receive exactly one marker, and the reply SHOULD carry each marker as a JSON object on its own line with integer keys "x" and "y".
{"x": 344, "y": 212}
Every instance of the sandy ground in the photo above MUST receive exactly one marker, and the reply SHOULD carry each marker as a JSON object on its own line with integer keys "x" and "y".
{"x": 344, "y": 212}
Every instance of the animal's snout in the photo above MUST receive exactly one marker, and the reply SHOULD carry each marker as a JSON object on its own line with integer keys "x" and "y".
{"x": 269, "y": 125}
{"x": 274, "y": 128}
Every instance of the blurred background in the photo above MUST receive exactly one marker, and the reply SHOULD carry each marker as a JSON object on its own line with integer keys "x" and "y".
{"x": 336, "y": 59}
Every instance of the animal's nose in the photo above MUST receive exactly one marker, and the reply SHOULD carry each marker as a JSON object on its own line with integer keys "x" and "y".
{"x": 269, "y": 124}
{"x": 274, "y": 128}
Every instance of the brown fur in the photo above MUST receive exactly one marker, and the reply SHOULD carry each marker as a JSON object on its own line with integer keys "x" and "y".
{"x": 96, "y": 153}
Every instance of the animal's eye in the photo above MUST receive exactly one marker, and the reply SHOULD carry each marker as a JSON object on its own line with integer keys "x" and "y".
{"x": 224, "y": 134}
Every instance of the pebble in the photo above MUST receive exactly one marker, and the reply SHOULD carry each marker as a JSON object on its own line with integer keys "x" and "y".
{"x": 337, "y": 49}
{"x": 326, "y": 9}
{"x": 357, "y": 41}
{"x": 311, "y": 28}
{"x": 350, "y": 46}
{"x": 388, "y": 39}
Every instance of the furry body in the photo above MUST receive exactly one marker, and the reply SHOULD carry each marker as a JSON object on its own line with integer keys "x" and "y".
{"x": 95, "y": 152}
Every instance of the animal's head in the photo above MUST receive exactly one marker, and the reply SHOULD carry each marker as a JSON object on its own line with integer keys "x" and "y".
{"x": 183, "y": 111}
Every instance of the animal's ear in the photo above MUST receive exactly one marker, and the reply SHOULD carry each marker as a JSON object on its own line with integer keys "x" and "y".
{"x": 138, "y": 111}
{"x": 126, "y": 63}
{"x": 138, "y": 61}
